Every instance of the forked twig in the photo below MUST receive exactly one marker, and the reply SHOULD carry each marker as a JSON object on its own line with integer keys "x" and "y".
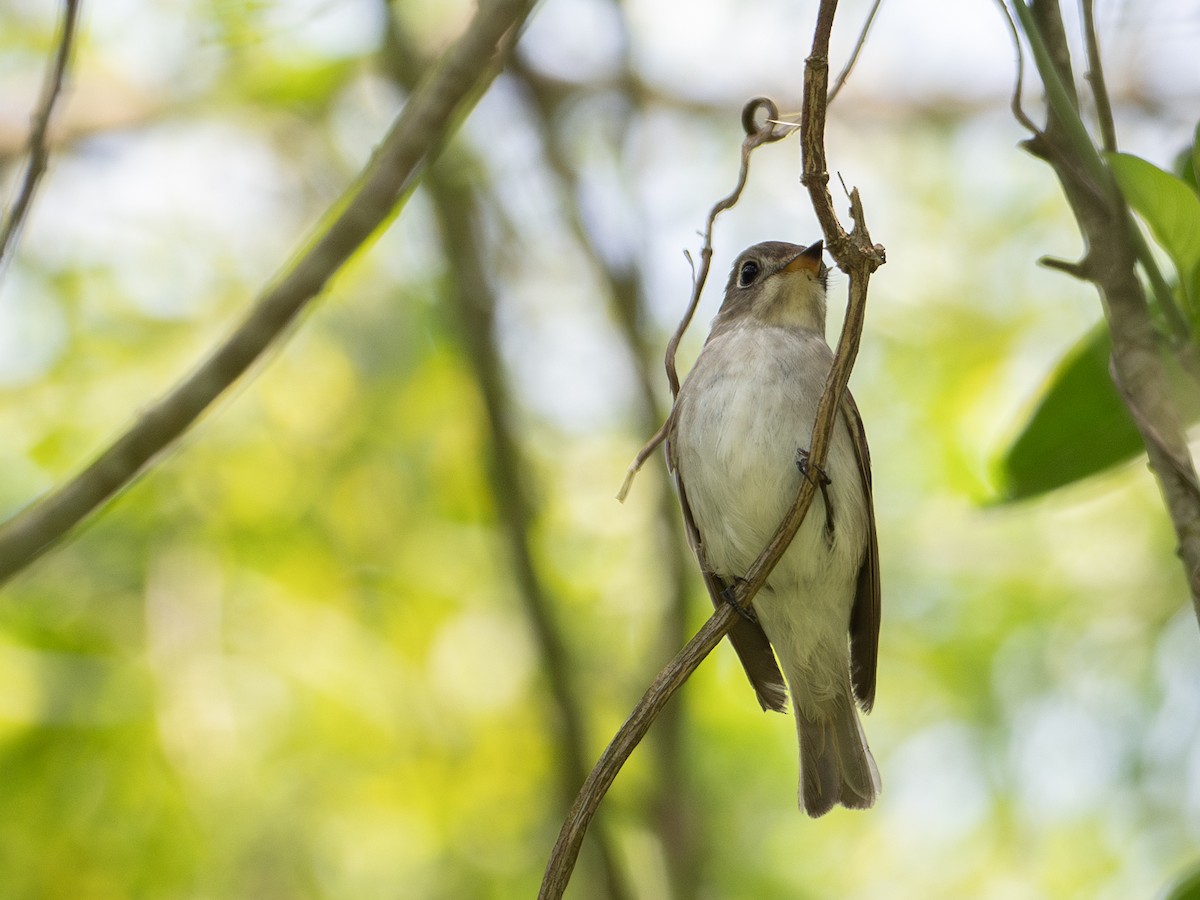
{"x": 859, "y": 258}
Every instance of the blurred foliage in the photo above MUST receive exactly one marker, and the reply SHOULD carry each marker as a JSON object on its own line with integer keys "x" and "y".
{"x": 291, "y": 660}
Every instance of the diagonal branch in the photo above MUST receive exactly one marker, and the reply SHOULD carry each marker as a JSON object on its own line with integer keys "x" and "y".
{"x": 431, "y": 114}
{"x": 39, "y": 151}
{"x": 859, "y": 258}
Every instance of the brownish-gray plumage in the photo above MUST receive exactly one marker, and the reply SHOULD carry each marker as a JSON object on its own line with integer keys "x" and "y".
{"x": 741, "y": 423}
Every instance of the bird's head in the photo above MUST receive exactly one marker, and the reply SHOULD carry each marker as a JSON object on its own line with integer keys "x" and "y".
{"x": 778, "y": 284}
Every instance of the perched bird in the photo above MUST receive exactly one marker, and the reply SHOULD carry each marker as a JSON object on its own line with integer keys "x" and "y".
{"x": 738, "y": 446}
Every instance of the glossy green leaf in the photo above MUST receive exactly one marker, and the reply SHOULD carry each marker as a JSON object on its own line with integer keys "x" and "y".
{"x": 1167, "y": 204}
{"x": 1080, "y": 426}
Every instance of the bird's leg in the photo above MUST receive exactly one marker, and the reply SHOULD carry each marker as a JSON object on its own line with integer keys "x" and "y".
{"x": 823, "y": 481}
{"x": 729, "y": 595}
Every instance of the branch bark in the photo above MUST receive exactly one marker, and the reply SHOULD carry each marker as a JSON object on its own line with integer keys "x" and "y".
{"x": 859, "y": 258}
{"x": 430, "y": 115}
{"x": 1112, "y": 252}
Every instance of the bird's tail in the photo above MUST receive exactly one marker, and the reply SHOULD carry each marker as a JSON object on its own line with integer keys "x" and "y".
{"x": 836, "y": 765}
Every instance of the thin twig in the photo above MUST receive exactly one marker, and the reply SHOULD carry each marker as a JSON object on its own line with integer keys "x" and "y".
{"x": 472, "y": 297}
{"x": 1018, "y": 110}
{"x": 1095, "y": 77}
{"x": 39, "y": 152}
{"x": 433, "y": 112}
{"x": 757, "y": 134}
{"x": 859, "y": 258}
{"x": 858, "y": 45}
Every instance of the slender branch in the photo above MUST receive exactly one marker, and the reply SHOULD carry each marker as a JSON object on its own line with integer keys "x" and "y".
{"x": 840, "y": 81}
{"x": 1018, "y": 110}
{"x": 39, "y": 152}
{"x": 432, "y": 113}
{"x": 669, "y": 680}
{"x": 859, "y": 258}
{"x": 1095, "y": 77}
{"x": 457, "y": 202}
{"x": 757, "y": 134}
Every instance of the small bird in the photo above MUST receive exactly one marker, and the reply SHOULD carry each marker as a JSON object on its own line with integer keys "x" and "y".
{"x": 738, "y": 447}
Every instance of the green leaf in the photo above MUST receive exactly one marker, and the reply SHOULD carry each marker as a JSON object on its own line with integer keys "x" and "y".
{"x": 1167, "y": 204}
{"x": 1185, "y": 887}
{"x": 1079, "y": 428}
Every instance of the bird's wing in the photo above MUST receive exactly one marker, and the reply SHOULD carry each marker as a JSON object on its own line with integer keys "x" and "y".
{"x": 864, "y": 615}
{"x": 748, "y": 638}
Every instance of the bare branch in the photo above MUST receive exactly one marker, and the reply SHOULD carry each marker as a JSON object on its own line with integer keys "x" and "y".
{"x": 39, "y": 152}
{"x": 859, "y": 258}
{"x": 1095, "y": 77}
{"x": 432, "y": 113}
{"x": 840, "y": 81}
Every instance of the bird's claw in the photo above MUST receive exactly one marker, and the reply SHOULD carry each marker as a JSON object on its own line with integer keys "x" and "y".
{"x": 823, "y": 481}
{"x": 805, "y": 467}
{"x": 729, "y": 595}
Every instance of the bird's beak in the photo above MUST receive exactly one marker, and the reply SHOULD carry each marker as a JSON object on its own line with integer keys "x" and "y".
{"x": 807, "y": 260}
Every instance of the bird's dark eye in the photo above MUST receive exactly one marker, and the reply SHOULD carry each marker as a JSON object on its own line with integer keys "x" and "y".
{"x": 747, "y": 273}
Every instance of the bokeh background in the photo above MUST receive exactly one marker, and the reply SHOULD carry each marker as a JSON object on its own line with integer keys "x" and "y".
{"x": 362, "y": 631}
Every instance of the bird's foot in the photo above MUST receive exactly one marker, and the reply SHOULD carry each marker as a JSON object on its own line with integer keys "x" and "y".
{"x": 729, "y": 595}
{"x": 806, "y": 467}
{"x": 823, "y": 481}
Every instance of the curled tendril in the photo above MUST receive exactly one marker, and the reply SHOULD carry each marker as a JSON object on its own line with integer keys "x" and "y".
{"x": 768, "y": 129}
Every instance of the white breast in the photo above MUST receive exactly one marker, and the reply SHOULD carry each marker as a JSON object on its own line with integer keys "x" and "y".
{"x": 746, "y": 408}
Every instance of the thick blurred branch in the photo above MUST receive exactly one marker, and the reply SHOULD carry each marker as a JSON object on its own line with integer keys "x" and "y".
{"x": 671, "y": 805}
{"x": 1113, "y": 248}
{"x": 432, "y": 113}
{"x": 859, "y": 258}
{"x": 39, "y": 152}
{"x": 453, "y": 185}
{"x": 473, "y": 299}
